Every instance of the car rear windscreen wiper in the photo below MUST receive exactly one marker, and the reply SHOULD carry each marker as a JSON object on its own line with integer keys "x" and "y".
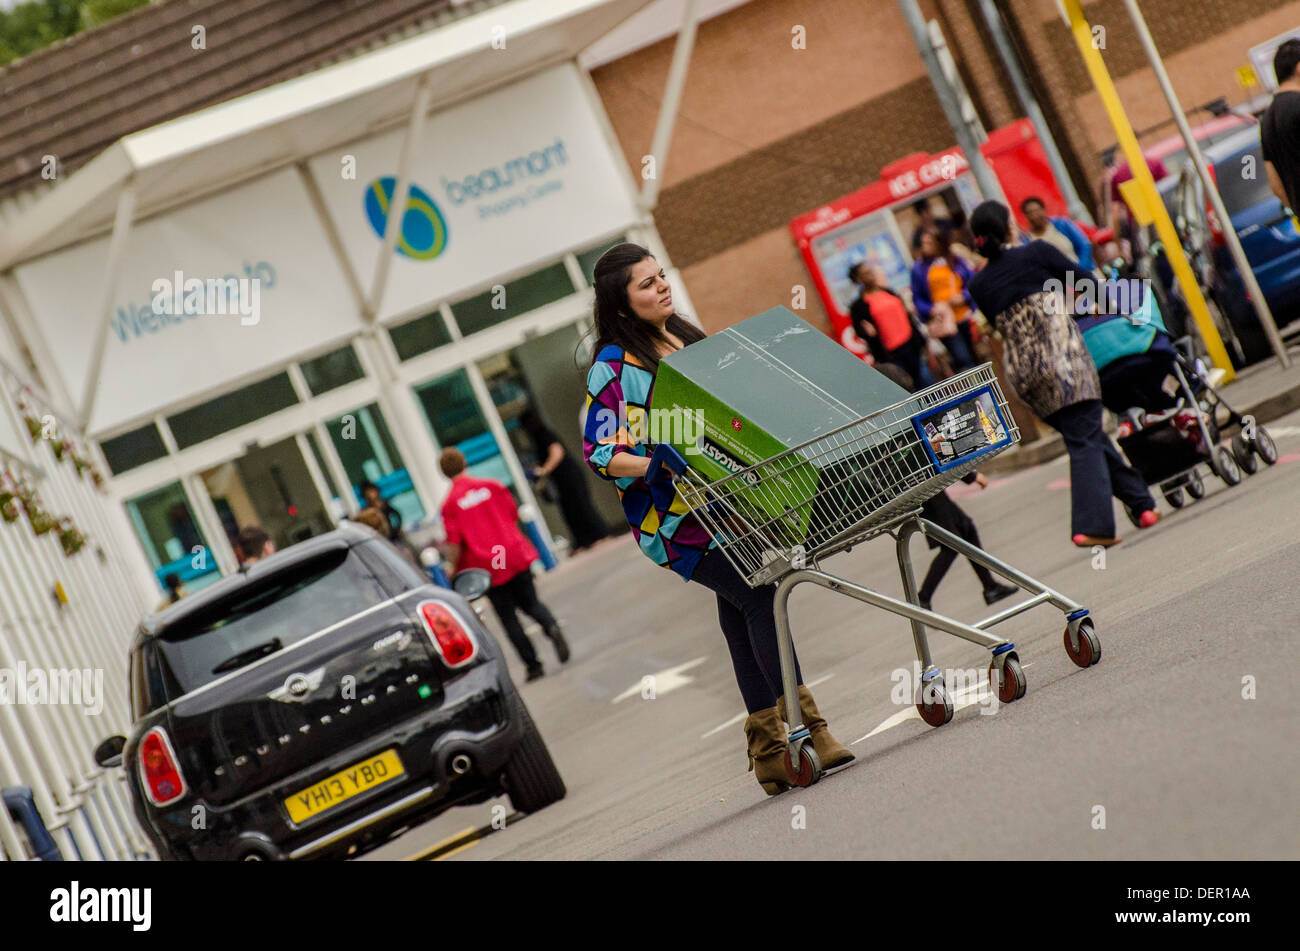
{"x": 248, "y": 656}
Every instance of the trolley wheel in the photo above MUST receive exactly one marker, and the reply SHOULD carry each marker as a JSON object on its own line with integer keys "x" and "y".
{"x": 934, "y": 703}
{"x": 810, "y": 767}
{"x": 1012, "y": 684}
{"x": 1264, "y": 446}
{"x": 1175, "y": 498}
{"x": 1089, "y": 644}
{"x": 1195, "y": 485}
{"x": 1225, "y": 466}
{"x": 1244, "y": 455}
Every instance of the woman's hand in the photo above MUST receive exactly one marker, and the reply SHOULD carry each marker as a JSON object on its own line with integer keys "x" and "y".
{"x": 981, "y": 480}
{"x": 626, "y": 465}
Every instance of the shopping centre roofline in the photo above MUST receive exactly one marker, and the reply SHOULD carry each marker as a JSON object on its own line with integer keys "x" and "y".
{"x": 181, "y": 160}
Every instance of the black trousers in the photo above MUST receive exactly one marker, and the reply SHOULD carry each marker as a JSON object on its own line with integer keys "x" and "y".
{"x": 585, "y": 523}
{"x": 748, "y": 622}
{"x": 1096, "y": 471}
{"x": 518, "y": 594}
{"x": 946, "y": 513}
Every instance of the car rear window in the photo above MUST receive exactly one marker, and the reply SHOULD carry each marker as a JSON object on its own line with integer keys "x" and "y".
{"x": 1241, "y": 192}
{"x": 266, "y": 617}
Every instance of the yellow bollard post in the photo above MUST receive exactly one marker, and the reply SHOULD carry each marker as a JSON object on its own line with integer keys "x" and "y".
{"x": 1146, "y": 185}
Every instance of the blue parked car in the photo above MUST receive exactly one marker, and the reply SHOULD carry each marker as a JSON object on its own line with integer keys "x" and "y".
{"x": 1267, "y": 234}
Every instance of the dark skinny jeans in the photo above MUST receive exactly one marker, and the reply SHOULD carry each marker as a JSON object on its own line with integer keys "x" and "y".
{"x": 748, "y": 622}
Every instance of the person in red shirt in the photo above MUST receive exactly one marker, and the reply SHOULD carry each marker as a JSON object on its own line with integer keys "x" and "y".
{"x": 482, "y": 524}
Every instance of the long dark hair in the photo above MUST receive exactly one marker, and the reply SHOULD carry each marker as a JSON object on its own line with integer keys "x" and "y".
{"x": 991, "y": 225}
{"x": 615, "y": 322}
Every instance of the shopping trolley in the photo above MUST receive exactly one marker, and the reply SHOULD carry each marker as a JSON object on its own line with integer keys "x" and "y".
{"x": 776, "y": 521}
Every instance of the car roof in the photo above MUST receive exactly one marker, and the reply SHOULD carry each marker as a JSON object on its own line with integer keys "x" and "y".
{"x": 347, "y": 535}
{"x": 1239, "y": 142}
{"x": 1166, "y": 147}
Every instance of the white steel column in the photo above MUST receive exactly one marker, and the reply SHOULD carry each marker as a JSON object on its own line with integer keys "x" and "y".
{"x": 116, "y": 252}
{"x": 672, "y": 100}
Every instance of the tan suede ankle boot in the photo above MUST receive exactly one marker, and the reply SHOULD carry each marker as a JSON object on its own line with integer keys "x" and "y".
{"x": 829, "y": 750}
{"x": 765, "y": 735}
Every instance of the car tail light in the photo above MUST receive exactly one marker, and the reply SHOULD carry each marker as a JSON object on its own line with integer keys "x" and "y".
{"x": 163, "y": 782}
{"x": 1216, "y": 228}
{"x": 454, "y": 643}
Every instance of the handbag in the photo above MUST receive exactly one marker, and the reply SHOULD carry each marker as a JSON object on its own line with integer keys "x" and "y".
{"x": 546, "y": 490}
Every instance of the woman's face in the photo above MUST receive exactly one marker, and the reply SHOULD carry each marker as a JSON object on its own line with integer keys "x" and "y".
{"x": 648, "y": 294}
{"x": 929, "y": 246}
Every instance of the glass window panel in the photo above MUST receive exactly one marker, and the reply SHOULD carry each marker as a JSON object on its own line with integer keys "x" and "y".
{"x": 170, "y": 535}
{"x": 134, "y": 448}
{"x": 420, "y": 335}
{"x": 236, "y": 409}
{"x": 457, "y": 420}
{"x": 368, "y": 453}
{"x": 332, "y": 370}
{"x": 518, "y": 297}
{"x": 587, "y": 259}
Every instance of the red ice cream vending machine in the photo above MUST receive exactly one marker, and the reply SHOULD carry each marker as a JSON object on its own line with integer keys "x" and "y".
{"x": 876, "y": 224}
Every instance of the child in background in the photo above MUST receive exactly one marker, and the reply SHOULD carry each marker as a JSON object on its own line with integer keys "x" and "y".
{"x": 947, "y": 514}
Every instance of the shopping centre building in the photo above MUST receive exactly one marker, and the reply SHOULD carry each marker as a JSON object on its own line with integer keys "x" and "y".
{"x": 263, "y": 164}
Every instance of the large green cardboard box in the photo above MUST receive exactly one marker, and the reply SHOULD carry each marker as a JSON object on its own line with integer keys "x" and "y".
{"x": 769, "y": 384}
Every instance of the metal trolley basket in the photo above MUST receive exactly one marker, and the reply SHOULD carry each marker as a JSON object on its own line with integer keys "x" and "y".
{"x": 777, "y": 520}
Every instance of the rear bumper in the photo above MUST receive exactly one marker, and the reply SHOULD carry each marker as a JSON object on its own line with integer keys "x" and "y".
{"x": 475, "y": 720}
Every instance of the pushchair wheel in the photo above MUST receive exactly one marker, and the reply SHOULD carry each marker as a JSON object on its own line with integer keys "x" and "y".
{"x": 1244, "y": 455}
{"x": 1089, "y": 651}
{"x": 810, "y": 767}
{"x": 1195, "y": 485}
{"x": 1175, "y": 498}
{"x": 1011, "y": 685}
{"x": 934, "y": 703}
{"x": 1264, "y": 446}
{"x": 1225, "y": 465}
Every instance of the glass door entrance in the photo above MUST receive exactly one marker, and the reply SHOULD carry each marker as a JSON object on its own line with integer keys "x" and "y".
{"x": 271, "y": 487}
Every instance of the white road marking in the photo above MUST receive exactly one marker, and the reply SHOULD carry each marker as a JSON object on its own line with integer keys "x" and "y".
{"x": 961, "y": 699}
{"x": 665, "y": 681}
{"x": 740, "y": 717}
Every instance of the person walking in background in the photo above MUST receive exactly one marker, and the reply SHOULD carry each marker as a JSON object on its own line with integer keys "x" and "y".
{"x": 940, "y": 282}
{"x": 636, "y": 325}
{"x": 374, "y": 499}
{"x": 1049, "y": 366}
{"x": 926, "y": 221}
{"x": 482, "y": 524}
{"x": 1060, "y": 232}
{"x": 584, "y": 522}
{"x": 253, "y": 544}
{"x": 882, "y": 321}
{"x": 947, "y": 514}
{"x": 1279, "y": 130}
{"x": 175, "y": 591}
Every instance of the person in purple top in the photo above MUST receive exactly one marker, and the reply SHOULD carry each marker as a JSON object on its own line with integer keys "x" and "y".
{"x": 636, "y": 325}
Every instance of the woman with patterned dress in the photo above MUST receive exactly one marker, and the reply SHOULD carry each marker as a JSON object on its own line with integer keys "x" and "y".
{"x": 1049, "y": 366}
{"x": 635, "y": 326}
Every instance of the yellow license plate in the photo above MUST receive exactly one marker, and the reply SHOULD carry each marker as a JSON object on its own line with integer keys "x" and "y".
{"x": 343, "y": 785}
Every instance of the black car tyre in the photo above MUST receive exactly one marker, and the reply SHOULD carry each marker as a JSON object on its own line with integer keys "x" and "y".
{"x": 530, "y": 776}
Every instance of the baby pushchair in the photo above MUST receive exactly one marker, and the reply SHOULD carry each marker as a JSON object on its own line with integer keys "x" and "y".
{"x": 1171, "y": 420}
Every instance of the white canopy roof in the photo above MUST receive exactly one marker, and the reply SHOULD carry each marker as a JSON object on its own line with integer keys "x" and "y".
{"x": 210, "y": 150}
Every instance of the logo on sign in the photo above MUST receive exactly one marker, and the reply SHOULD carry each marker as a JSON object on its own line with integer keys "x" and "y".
{"x": 423, "y": 234}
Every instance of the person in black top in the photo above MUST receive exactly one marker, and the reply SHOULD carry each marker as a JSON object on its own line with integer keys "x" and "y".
{"x": 1049, "y": 366}
{"x": 585, "y": 523}
{"x": 1279, "y": 131}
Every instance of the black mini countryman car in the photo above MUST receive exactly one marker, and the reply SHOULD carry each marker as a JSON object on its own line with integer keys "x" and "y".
{"x": 318, "y": 703}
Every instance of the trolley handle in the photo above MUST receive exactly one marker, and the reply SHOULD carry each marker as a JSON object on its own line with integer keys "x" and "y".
{"x": 665, "y": 463}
